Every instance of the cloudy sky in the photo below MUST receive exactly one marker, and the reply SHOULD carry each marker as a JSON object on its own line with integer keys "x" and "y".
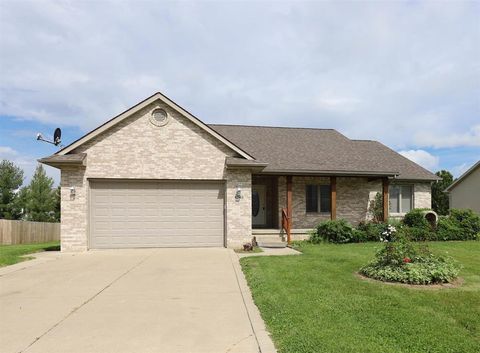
{"x": 404, "y": 73}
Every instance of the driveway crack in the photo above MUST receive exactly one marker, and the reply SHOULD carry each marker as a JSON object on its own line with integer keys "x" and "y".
{"x": 237, "y": 343}
{"x": 74, "y": 310}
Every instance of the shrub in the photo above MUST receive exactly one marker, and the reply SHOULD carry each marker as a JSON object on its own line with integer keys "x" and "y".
{"x": 404, "y": 262}
{"x": 448, "y": 229}
{"x": 459, "y": 225}
{"x": 419, "y": 234}
{"x": 376, "y": 208}
{"x": 334, "y": 231}
{"x": 371, "y": 231}
{"x": 417, "y": 227}
{"x": 416, "y": 219}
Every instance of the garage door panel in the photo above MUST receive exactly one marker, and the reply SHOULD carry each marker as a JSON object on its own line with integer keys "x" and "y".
{"x": 156, "y": 214}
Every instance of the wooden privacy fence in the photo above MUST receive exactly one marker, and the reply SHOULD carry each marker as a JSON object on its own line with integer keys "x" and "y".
{"x": 23, "y": 232}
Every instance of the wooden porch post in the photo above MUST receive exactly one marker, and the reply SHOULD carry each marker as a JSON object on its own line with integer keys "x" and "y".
{"x": 333, "y": 197}
{"x": 289, "y": 208}
{"x": 385, "y": 199}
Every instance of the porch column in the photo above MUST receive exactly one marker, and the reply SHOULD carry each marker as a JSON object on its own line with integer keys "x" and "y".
{"x": 385, "y": 198}
{"x": 333, "y": 197}
{"x": 289, "y": 208}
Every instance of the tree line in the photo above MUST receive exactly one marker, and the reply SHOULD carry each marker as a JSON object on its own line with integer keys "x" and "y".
{"x": 38, "y": 201}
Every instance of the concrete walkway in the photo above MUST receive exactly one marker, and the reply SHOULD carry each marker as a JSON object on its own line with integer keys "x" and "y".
{"x": 152, "y": 300}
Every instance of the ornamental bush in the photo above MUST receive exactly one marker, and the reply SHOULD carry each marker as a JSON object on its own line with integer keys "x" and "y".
{"x": 370, "y": 231}
{"x": 416, "y": 219}
{"x": 334, "y": 231}
{"x": 405, "y": 262}
{"x": 417, "y": 227}
{"x": 459, "y": 225}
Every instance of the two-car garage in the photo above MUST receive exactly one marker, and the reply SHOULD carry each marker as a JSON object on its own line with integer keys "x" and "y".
{"x": 145, "y": 213}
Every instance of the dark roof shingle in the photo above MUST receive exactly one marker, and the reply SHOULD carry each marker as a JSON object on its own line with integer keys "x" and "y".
{"x": 321, "y": 151}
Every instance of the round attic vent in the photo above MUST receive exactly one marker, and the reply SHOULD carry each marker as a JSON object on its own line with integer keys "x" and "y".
{"x": 159, "y": 117}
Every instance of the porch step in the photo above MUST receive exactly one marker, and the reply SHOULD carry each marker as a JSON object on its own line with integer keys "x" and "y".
{"x": 274, "y": 244}
{"x": 269, "y": 238}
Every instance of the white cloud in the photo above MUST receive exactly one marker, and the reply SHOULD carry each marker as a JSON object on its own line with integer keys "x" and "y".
{"x": 380, "y": 70}
{"x": 439, "y": 140}
{"x": 7, "y": 152}
{"x": 425, "y": 159}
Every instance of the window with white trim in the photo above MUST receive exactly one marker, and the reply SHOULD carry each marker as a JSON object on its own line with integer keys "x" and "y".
{"x": 401, "y": 198}
{"x": 317, "y": 198}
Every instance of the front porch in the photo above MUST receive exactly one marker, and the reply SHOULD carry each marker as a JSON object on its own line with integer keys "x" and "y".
{"x": 287, "y": 207}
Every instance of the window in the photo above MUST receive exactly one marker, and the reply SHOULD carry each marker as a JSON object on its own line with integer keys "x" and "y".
{"x": 401, "y": 198}
{"x": 318, "y": 198}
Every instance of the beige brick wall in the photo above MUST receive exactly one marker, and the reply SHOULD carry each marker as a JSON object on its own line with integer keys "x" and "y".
{"x": 73, "y": 210}
{"x": 422, "y": 197}
{"x": 354, "y": 196}
{"x": 137, "y": 149}
{"x": 239, "y": 212}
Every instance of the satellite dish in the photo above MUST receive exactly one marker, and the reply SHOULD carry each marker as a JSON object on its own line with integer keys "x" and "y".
{"x": 57, "y": 136}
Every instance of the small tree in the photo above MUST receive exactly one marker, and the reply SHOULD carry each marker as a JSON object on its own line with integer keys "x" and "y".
{"x": 21, "y": 201}
{"x": 11, "y": 178}
{"x": 376, "y": 208}
{"x": 440, "y": 202}
{"x": 57, "y": 203}
{"x": 40, "y": 198}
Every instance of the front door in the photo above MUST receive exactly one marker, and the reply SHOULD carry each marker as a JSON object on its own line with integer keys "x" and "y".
{"x": 259, "y": 215}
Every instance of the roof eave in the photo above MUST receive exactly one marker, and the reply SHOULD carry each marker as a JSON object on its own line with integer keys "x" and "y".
{"x": 54, "y": 161}
{"x": 332, "y": 173}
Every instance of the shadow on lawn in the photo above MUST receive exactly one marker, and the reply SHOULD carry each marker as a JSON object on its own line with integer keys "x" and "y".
{"x": 52, "y": 248}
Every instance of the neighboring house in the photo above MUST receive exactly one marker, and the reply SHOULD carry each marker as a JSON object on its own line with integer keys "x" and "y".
{"x": 157, "y": 176}
{"x": 465, "y": 191}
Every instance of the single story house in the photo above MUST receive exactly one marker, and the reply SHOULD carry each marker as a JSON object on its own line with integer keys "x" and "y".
{"x": 157, "y": 176}
{"x": 465, "y": 191}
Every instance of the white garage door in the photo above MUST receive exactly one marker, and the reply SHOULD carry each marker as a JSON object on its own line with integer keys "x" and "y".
{"x": 130, "y": 214}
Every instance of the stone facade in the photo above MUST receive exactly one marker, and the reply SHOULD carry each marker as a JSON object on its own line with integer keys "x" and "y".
{"x": 137, "y": 149}
{"x": 422, "y": 197}
{"x": 73, "y": 227}
{"x": 354, "y": 196}
{"x": 239, "y": 212}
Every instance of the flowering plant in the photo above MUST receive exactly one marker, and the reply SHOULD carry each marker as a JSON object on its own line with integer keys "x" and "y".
{"x": 388, "y": 234}
{"x": 406, "y": 262}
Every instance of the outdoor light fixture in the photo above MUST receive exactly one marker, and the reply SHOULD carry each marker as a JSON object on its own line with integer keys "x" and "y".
{"x": 72, "y": 193}
{"x": 238, "y": 194}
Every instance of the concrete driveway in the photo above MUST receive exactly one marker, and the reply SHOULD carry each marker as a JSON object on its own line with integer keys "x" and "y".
{"x": 152, "y": 300}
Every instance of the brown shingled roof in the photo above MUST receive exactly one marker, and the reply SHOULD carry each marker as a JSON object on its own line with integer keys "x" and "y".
{"x": 303, "y": 150}
{"x": 63, "y": 160}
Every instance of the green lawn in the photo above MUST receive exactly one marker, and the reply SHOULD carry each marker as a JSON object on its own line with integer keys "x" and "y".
{"x": 315, "y": 303}
{"x": 11, "y": 254}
